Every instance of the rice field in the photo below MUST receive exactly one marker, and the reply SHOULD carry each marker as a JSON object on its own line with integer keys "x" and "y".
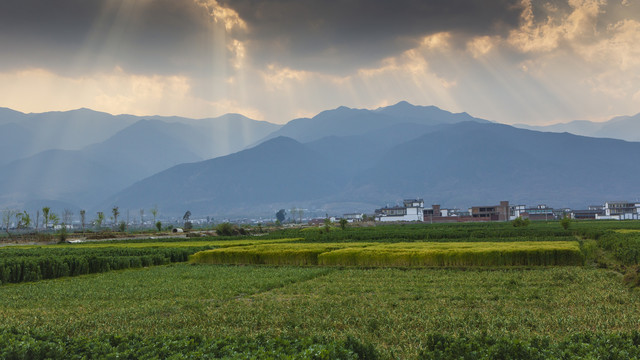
{"x": 478, "y": 291}
{"x": 421, "y": 254}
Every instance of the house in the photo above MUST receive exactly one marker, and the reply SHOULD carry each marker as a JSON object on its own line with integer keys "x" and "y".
{"x": 492, "y": 213}
{"x": 589, "y": 214}
{"x": 540, "y": 212}
{"x": 353, "y": 217}
{"x": 620, "y": 210}
{"x": 412, "y": 210}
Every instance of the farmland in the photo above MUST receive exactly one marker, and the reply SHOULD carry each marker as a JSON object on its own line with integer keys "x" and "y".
{"x": 313, "y": 311}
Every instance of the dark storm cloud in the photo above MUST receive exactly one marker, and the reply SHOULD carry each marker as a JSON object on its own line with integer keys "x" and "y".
{"x": 172, "y": 36}
{"x": 330, "y": 35}
{"x": 70, "y": 36}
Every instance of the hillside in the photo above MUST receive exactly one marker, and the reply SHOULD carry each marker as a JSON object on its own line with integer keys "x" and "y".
{"x": 454, "y": 165}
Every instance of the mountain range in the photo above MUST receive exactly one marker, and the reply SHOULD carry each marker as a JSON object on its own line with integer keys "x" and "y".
{"x": 341, "y": 160}
{"x": 620, "y": 127}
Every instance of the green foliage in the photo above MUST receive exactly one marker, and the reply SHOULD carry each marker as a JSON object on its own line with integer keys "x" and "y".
{"x": 281, "y": 215}
{"x": 225, "y": 229}
{"x": 578, "y": 346}
{"x": 394, "y": 310}
{"x": 565, "y": 222}
{"x": 42, "y": 345}
{"x": 122, "y": 227}
{"x": 62, "y": 234}
{"x": 159, "y": 225}
{"x": 520, "y": 222}
{"x": 625, "y": 247}
{"x": 24, "y": 220}
{"x": 343, "y": 224}
{"x": 99, "y": 220}
{"x": 38, "y": 263}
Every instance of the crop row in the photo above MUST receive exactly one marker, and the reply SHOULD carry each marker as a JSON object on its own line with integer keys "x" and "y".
{"x": 16, "y": 345}
{"x": 41, "y": 263}
{"x": 399, "y": 254}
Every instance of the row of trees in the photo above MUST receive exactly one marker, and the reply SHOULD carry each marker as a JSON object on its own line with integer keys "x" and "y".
{"x": 23, "y": 220}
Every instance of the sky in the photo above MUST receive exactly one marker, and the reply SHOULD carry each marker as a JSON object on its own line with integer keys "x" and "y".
{"x": 511, "y": 61}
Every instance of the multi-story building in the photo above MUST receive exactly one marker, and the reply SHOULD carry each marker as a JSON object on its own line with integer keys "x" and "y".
{"x": 620, "y": 210}
{"x": 492, "y": 213}
{"x": 412, "y": 210}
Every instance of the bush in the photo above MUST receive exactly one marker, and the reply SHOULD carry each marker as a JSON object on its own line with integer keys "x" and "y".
{"x": 520, "y": 222}
{"x": 225, "y": 229}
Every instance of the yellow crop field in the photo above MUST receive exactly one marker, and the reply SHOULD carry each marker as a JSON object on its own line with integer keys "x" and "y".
{"x": 421, "y": 254}
{"x": 271, "y": 254}
{"x": 458, "y": 254}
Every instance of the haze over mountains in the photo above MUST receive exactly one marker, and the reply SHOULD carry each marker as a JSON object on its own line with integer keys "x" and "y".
{"x": 620, "y": 127}
{"x": 338, "y": 161}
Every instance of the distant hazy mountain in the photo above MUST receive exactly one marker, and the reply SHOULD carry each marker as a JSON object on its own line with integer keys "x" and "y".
{"x": 455, "y": 165}
{"x": 30, "y": 134}
{"x": 340, "y": 160}
{"x": 621, "y": 127}
{"x": 345, "y": 121}
{"x": 15, "y": 142}
{"x": 93, "y": 173}
{"x": 281, "y": 170}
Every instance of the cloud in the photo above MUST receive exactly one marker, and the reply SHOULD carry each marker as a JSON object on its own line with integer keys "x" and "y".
{"x": 115, "y": 91}
{"x": 505, "y": 60}
{"x": 78, "y": 37}
{"x": 342, "y": 36}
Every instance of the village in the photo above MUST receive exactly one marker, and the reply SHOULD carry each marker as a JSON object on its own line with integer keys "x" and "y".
{"x": 413, "y": 210}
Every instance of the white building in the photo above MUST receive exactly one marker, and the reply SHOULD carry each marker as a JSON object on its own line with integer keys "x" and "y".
{"x": 410, "y": 211}
{"x": 353, "y": 217}
{"x": 620, "y": 210}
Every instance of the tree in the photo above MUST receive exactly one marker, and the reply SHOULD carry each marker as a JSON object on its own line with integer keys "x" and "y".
{"x": 7, "y": 215}
{"x": 187, "y": 223}
{"x": 565, "y": 222}
{"x": 520, "y": 222}
{"x": 37, "y": 219}
{"x": 154, "y": 212}
{"x": 115, "y": 211}
{"x": 343, "y": 223}
{"x": 280, "y": 215}
{"x": 99, "y": 219}
{"x": 142, "y": 218}
{"x": 293, "y": 213}
{"x": 24, "y": 220}
{"x": 225, "y": 229}
{"x": 82, "y": 219}
{"x": 159, "y": 225}
{"x": 67, "y": 217}
{"x": 327, "y": 225}
{"x": 45, "y": 217}
{"x": 54, "y": 219}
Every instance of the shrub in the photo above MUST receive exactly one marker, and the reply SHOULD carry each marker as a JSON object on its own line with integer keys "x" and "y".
{"x": 225, "y": 229}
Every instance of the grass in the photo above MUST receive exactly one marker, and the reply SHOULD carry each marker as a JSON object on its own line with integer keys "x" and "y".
{"x": 392, "y": 308}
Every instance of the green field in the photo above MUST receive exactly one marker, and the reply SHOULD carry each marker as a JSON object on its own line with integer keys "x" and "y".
{"x": 324, "y": 312}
